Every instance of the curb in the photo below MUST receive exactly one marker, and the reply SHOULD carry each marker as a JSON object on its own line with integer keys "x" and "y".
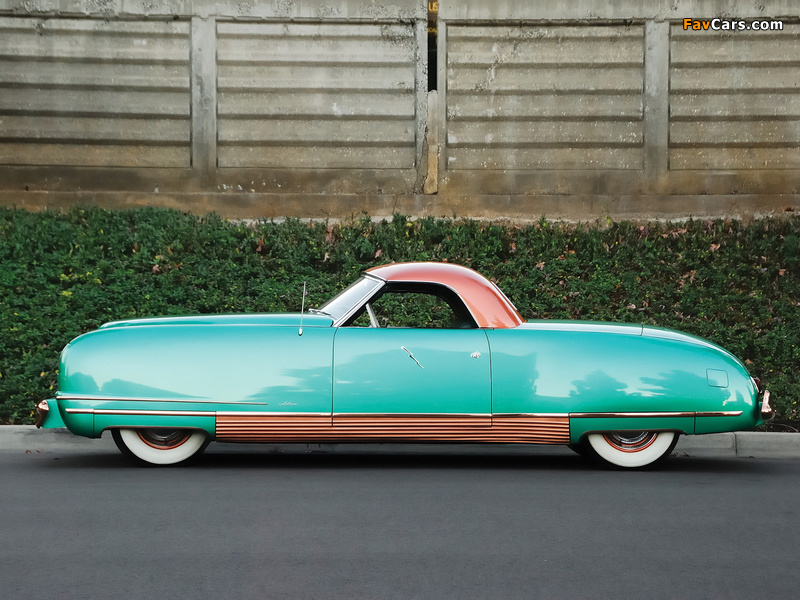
{"x": 742, "y": 444}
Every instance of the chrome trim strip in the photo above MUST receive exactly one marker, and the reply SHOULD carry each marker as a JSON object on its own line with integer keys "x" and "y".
{"x": 409, "y": 415}
{"x": 209, "y": 413}
{"x": 247, "y": 413}
{"x": 628, "y": 415}
{"x": 634, "y": 415}
{"x": 158, "y": 413}
{"x": 534, "y": 415}
{"x": 579, "y": 326}
{"x": 68, "y": 396}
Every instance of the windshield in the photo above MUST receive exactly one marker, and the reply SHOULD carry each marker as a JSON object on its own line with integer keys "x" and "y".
{"x": 350, "y": 297}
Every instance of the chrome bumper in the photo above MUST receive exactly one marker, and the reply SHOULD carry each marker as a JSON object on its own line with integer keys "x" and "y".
{"x": 767, "y": 411}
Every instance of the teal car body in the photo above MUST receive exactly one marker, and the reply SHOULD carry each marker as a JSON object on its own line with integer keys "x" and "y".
{"x": 165, "y": 387}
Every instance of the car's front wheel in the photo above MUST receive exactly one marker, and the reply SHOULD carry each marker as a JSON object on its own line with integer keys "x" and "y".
{"x": 632, "y": 449}
{"x": 157, "y": 446}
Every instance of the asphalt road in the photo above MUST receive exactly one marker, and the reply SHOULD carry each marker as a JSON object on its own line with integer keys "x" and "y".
{"x": 255, "y": 525}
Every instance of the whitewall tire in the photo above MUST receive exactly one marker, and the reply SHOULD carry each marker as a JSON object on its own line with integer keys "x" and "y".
{"x": 157, "y": 446}
{"x": 632, "y": 449}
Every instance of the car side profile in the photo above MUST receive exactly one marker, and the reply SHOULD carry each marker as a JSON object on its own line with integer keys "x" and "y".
{"x": 409, "y": 352}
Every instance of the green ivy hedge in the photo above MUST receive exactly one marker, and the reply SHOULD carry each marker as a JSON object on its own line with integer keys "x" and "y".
{"x": 62, "y": 274}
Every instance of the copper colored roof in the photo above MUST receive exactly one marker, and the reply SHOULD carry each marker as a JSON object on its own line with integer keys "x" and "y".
{"x": 488, "y": 305}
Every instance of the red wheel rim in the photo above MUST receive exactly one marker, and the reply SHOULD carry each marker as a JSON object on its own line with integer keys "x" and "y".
{"x": 163, "y": 439}
{"x": 634, "y": 441}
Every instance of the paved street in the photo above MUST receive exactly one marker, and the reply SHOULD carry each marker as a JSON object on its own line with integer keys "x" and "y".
{"x": 249, "y": 524}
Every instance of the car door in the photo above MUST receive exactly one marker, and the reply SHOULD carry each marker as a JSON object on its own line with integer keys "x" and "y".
{"x": 411, "y": 382}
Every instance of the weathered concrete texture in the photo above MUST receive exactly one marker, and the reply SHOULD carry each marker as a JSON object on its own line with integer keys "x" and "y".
{"x": 591, "y": 207}
{"x": 130, "y": 108}
{"x": 432, "y": 144}
{"x": 743, "y": 444}
{"x": 374, "y": 10}
{"x": 544, "y": 97}
{"x": 313, "y": 96}
{"x": 577, "y": 110}
{"x": 757, "y": 444}
{"x": 714, "y": 445}
{"x": 512, "y": 10}
{"x": 303, "y": 104}
{"x": 557, "y": 106}
{"x": 734, "y": 100}
{"x": 204, "y": 98}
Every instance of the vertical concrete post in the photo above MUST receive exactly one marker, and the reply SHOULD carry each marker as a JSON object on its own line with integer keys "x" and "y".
{"x": 441, "y": 89}
{"x": 421, "y": 91}
{"x": 204, "y": 97}
{"x": 656, "y": 99}
{"x": 432, "y": 138}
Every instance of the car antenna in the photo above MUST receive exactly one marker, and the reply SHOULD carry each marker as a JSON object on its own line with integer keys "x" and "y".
{"x": 302, "y": 309}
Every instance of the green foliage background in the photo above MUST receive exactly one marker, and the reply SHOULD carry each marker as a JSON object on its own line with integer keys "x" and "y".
{"x": 63, "y": 274}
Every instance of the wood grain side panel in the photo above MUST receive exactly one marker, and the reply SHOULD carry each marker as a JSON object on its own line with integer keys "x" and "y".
{"x": 377, "y": 428}
{"x": 531, "y": 430}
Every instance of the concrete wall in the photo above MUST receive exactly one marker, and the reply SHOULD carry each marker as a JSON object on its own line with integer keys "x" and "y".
{"x": 613, "y": 106}
{"x": 117, "y": 101}
{"x": 320, "y": 108}
{"x": 91, "y": 93}
{"x": 523, "y": 97}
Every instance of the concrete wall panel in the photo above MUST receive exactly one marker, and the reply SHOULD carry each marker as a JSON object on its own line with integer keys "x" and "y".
{"x": 544, "y": 97}
{"x": 284, "y": 10}
{"x": 601, "y": 10}
{"x": 321, "y": 108}
{"x": 316, "y": 96}
{"x": 734, "y": 99}
{"x": 94, "y": 93}
{"x": 88, "y": 155}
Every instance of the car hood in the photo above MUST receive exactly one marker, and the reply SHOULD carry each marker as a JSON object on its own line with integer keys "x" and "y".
{"x": 277, "y": 319}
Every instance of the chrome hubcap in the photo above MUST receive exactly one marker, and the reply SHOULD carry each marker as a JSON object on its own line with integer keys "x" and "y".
{"x": 630, "y": 441}
{"x": 163, "y": 439}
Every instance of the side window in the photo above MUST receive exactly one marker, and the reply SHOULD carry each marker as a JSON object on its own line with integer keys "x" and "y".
{"x": 422, "y": 307}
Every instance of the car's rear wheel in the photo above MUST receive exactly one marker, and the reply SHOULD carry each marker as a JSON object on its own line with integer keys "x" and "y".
{"x": 632, "y": 449}
{"x": 157, "y": 446}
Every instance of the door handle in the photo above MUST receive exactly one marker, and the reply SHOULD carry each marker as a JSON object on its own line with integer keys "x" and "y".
{"x": 411, "y": 356}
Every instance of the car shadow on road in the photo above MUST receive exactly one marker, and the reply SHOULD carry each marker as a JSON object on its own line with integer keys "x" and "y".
{"x": 534, "y": 460}
{"x": 497, "y": 461}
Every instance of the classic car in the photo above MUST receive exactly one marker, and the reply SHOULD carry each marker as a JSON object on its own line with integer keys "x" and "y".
{"x": 410, "y": 352}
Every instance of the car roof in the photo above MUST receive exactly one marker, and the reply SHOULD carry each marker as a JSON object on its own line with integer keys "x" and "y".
{"x": 488, "y": 305}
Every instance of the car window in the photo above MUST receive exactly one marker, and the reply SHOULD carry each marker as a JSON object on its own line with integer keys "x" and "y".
{"x": 422, "y": 308}
{"x": 353, "y": 295}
